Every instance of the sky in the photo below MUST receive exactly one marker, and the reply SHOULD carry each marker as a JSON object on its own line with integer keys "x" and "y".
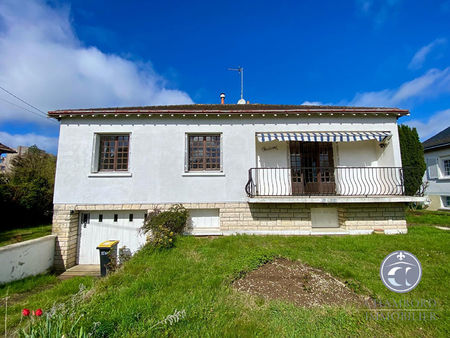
{"x": 84, "y": 54}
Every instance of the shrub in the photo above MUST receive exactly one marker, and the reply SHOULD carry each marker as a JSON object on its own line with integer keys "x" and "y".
{"x": 163, "y": 226}
{"x": 26, "y": 193}
{"x": 412, "y": 159}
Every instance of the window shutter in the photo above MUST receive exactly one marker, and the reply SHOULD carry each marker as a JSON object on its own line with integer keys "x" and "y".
{"x": 95, "y": 153}
{"x": 186, "y": 154}
{"x": 432, "y": 168}
{"x": 221, "y": 152}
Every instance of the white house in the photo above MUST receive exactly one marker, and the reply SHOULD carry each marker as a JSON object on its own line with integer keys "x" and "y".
{"x": 238, "y": 168}
{"x": 437, "y": 158}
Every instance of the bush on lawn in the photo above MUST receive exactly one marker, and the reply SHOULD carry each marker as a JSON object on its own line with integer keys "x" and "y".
{"x": 163, "y": 226}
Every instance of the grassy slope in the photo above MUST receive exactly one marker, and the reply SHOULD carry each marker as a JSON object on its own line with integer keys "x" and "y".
{"x": 196, "y": 275}
{"x": 425, "y": 217}
{"x": 27, "y": 284}
{"x": 42, "y": 291}
{"x": 24, "y": 234}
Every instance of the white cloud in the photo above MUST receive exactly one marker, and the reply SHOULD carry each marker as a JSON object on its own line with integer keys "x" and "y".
{"x": 420, "y": 56}
{"x": 378, "y": 11}
{"x": 433, "y": 83}
{"x": 364, "y": 5}
{"x": 312, "y": 103}
{"x": 434, "y": 124}
{"x": 43, "y": 62}
{"x": 43, "y": 142}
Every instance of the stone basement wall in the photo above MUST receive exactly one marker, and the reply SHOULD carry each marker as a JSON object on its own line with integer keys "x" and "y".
{"x": 65, "y": 227}
{"x": 295, "y": 218}
{"x": 257, "y": 218}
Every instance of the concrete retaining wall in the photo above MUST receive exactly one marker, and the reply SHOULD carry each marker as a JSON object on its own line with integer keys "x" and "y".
{"x": 26, "y": 258}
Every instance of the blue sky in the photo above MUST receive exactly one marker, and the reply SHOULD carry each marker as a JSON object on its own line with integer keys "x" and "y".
{"x": 62, "y": 54}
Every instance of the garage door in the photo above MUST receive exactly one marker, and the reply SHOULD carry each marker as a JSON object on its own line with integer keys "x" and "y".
{"x": 96, "y": 227}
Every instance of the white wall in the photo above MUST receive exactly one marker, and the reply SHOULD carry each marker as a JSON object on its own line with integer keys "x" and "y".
{"x": 440, "y": 185}
{"x": 26, "y": 258}
{"x": 382, "y": 181}
{"x": 274, "y": 154}
{"x": 157, "y": 148}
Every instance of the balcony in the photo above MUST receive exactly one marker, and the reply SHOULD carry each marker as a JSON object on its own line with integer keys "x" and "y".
{"x": 332, "y": 184}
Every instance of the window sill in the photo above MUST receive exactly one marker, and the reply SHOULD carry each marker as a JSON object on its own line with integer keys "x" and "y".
{"x": 110, "y": 174}
{"x": 203, "y": 173}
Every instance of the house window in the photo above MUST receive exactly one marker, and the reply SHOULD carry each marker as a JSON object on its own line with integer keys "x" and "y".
{"x": 116, "y": 216}
{"x": 446, "y": 167}
{"x": 100, "y": 218}
{"x": 446, "y": 201}
{"x": 130, "y": 217}
{"x": 113, "y": 153}
{"x": 204, "y": 152}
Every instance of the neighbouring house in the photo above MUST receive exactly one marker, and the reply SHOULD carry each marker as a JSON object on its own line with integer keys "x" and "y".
{"x": 437, "y": 158}
{"x": 238, "y": 168}
{"x": 4, "y": 150}
{"x": 6, "y": 161}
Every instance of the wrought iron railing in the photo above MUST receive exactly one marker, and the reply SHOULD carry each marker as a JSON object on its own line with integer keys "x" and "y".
{"x": 323, "y": 181}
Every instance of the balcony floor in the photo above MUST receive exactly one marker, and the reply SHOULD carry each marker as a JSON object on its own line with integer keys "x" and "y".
{"x": 336, "y": 199}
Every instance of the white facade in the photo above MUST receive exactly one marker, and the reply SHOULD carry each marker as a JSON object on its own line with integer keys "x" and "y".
{"x": 438, "y": 179}
{"x": 364, "y": 192}
{"x": 157, "y": 156}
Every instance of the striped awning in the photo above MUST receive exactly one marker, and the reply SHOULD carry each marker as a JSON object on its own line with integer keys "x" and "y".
{"x": 338, "y": 136}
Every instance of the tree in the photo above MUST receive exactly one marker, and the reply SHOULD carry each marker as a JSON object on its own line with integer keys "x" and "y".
{"x": 412, "y": 159}
{"x": 28, "y": 189}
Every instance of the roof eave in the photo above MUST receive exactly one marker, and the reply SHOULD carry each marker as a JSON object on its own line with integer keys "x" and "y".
{"x": 344, "y": 111}
{"x": 437, "y": 146}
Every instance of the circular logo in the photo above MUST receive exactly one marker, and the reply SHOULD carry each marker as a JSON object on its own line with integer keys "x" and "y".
{"x": 400, "y": 271}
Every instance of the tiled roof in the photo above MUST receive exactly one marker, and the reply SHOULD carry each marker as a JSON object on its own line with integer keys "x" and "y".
{"x": 202, "y": 109}
{"x": 4, "y": 149}
{"x": 439, "y": 140}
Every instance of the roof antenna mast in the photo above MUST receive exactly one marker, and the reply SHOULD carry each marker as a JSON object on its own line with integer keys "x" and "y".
{"x": 241, "y": 71}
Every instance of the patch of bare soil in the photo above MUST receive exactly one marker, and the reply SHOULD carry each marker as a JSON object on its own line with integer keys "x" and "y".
{"x": 297, "y": 283}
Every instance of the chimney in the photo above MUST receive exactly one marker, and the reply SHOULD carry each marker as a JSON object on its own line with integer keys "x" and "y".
{"x": 222, "y": 98}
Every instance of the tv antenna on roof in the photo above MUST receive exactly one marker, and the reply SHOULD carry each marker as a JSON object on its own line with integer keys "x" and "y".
{"x": 241, "y": 71}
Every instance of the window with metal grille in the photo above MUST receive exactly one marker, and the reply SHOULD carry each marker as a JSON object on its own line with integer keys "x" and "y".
{"x": 113, "y": 152}
{"x": 204, "y": 153}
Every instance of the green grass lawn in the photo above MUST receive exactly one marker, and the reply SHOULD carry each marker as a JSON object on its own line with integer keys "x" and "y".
{"x": 196, "y": 277}
{"x": 23, "y": 234}
{"x": 42, "y": 291}
{"x": 425, "y": 217}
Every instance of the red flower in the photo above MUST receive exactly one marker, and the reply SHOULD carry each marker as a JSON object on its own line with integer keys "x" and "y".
{"x": 38, "y": 312}
{"x": 25, "y": 312}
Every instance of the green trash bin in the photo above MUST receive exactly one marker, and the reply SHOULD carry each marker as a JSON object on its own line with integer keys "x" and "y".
{"x": 108, "y": 252}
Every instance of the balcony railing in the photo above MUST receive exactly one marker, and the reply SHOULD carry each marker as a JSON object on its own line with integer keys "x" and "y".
{"x": 325, "y": 181}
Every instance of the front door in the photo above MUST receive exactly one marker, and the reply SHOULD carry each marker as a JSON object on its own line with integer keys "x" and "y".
{"x": 312, "y": 168}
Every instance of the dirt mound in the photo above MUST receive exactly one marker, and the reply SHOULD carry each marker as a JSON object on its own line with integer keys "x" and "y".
{"x": 297, "y": 283}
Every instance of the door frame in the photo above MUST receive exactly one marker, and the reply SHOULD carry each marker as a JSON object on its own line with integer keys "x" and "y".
{"x": 319, "y": 187}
